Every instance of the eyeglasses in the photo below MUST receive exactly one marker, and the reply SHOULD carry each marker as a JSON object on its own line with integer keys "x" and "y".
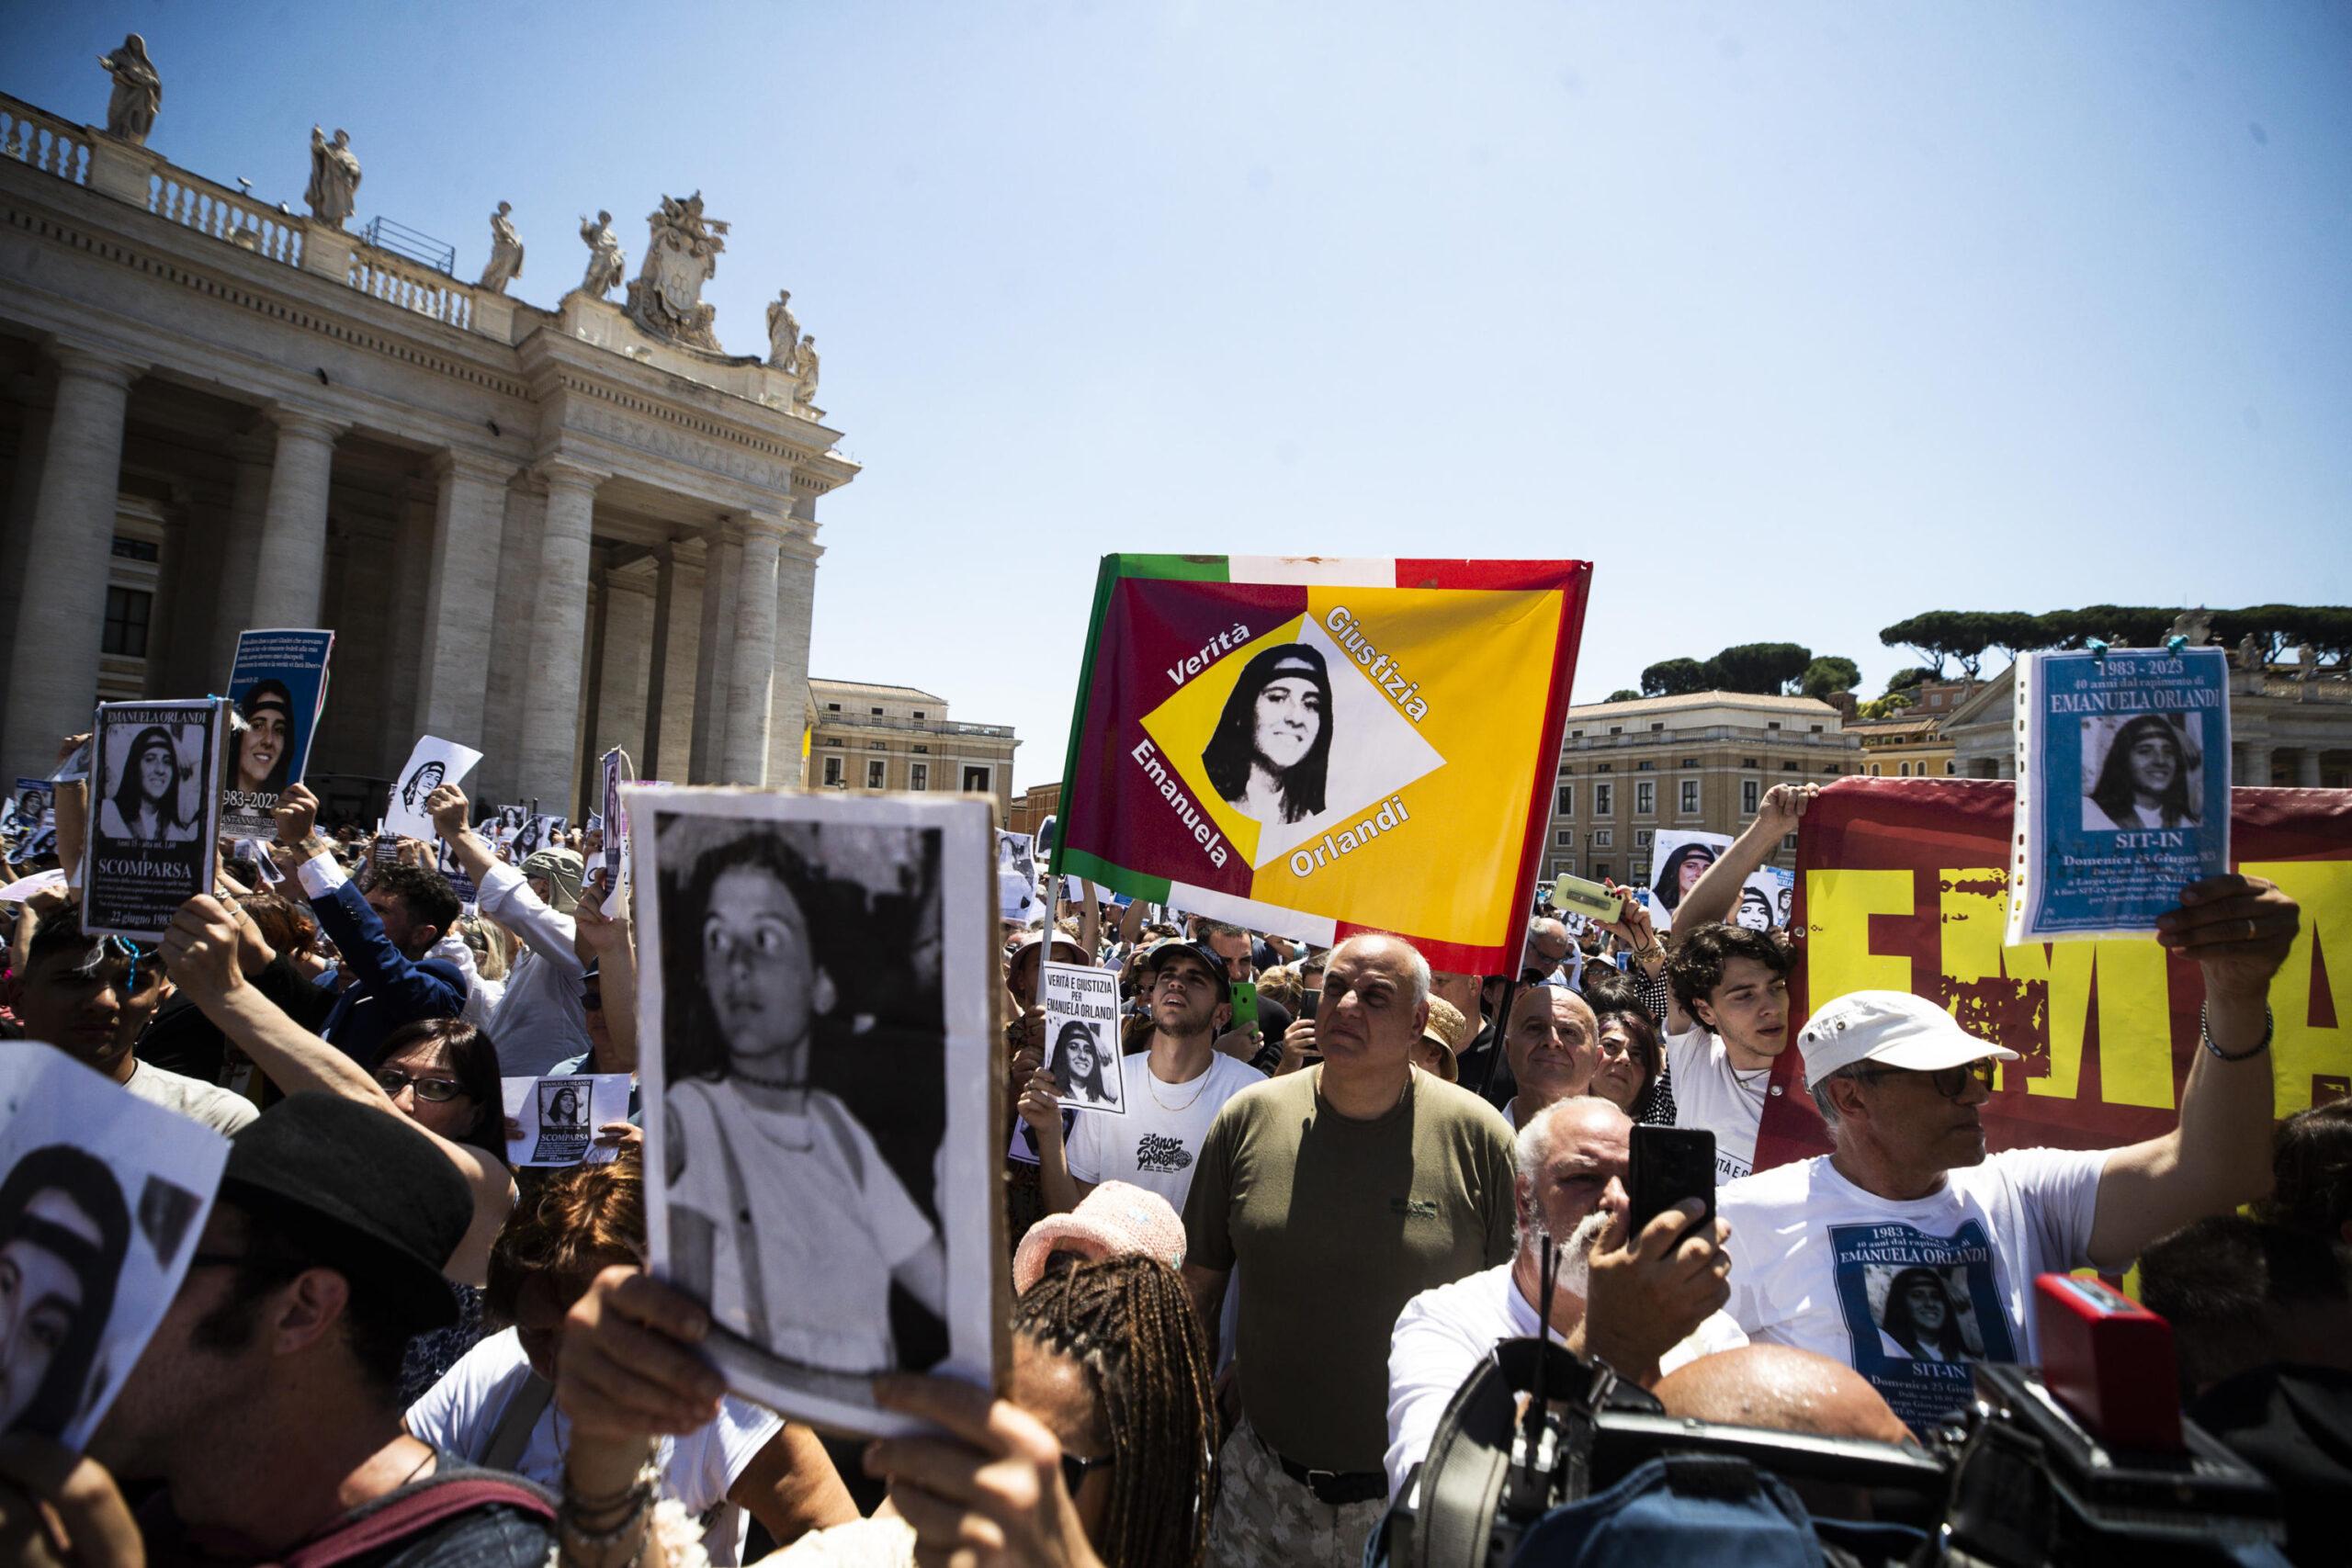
{"x": 391, "y": 1080}
{"x": 1951, "y": 1082}
{"x": 1074, "y": 1470}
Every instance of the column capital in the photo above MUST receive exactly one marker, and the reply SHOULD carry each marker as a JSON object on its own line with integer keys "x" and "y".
{"x": 766, "y": 526}
{"x": 89, "y": 364}
{"x": 799, "y": 547}
{"x": 569, "y": 473}
{"x": 303, "y": 424}
{"x": 478, "y": 467}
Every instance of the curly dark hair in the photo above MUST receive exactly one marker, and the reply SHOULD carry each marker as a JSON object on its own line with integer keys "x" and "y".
{"x": 2310, "y": 1166}
{"x": 1128, "y": 1321}
{"x": 1234, "y": 745}
{"x": 424, "y": 892}
{"x": 1696, "y": 966}
{"x": 85, "y": 1178}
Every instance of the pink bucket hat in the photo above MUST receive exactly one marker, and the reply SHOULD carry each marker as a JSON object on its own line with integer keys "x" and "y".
{"x": 1115, "y": 1219}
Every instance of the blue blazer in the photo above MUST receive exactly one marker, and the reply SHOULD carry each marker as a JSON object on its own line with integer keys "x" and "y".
{"x": 393, "y": 989}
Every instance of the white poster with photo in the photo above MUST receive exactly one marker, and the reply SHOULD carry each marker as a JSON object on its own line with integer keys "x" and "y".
{"x": 540, "y": 830}
{"x": 823, "y": 1103}
{"x": 155, "y": 813}
{"x": 1082, "y": 1038}
{"x": 1677, "y": 861}
{"x": 102, "y": 1198}
{"x": 1016, "y": 877}
{"x": 558, "y": 1117}
{"x": 1765, "y": 899}
{"x": 433, "y": 762}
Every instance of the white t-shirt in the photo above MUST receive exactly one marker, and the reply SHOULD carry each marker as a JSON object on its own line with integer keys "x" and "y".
{"x": 460, "y": 1413}
{"x": 193, "y": 1098}
{"x": 1155, "y": 1144}
{"x": 1817, "y": 1260}
{"x": 1443, "y": 1333}
{"x": 1709, "y": 1092}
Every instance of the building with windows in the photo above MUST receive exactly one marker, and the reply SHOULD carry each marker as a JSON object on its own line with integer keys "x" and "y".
{"x": 2285, "y": 730}
{"x": 867, "y": 738}
{"x": 540, "y": 530}
{"x": 1035, "y": 803}
{"x": 1694, "y": 763}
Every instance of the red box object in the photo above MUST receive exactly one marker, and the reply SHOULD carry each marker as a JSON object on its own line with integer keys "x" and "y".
{"x": 2109, "y": 1360}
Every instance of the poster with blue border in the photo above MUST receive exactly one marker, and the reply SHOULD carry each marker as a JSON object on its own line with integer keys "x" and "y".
{"x": 277, "y": 686}
{"x": 2123, "y": 788}
{"x": 1920, "y": 1309}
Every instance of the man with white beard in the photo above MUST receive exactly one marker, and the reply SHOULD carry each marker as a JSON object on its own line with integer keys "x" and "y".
{"x": 1644, "y": 1308}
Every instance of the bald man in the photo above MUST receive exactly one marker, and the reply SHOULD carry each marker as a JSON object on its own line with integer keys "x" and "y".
{"x": 1783, "y": 1388}
{"x": 1553, "y": 1046}
{"x": 1654, "y": 1300}
{"x": 1341, "y": 1191}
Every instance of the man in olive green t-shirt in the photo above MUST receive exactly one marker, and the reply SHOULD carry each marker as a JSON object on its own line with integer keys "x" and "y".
{"x": 1341, "y": 1192}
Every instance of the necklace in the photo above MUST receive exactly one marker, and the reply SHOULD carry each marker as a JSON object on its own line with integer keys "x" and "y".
{"x": 1151, "y": 1082}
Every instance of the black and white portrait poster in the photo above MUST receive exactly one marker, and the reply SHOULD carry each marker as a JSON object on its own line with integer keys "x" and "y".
{"x": 1082, "y": 1038}
{"x": 815, "y": 1010}
{"x": 1016, "y": 877}
{"x": 558, "y": 1117}
{"x": 1677, "y": 861}
{"x": 433, "y": 762}
{"x": 102, "y": 1196}
{"x": 154, "y": 814}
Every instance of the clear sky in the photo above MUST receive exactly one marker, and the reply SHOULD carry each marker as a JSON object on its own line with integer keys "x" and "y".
{"x": 1794, "y": 320}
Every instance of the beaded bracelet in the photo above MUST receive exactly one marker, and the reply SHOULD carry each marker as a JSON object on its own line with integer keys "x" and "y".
{"x": 2257, "y": 1049}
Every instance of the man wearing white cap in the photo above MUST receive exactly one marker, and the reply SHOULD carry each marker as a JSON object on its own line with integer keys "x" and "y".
{"x": 1908, "y": 1253}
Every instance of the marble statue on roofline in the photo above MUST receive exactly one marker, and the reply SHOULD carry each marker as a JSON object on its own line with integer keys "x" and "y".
{"x": 607, "y": 263}
{"x": 804, "y": 379}
{"x": 505, "y": 252}
{"x": 784, "y": 332}
{"x": 138, "y": 91}
{"x": 2196, "y": 626}
{"x": 682, "y": 254}
{"x": 334, "y": 191}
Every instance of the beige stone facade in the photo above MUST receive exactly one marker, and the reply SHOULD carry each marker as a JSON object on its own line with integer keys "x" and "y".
{"x": 540, "y": 532}
{"x": 1036, "y": 803}
{"x": 1694, "y": 763}
{"x": 866, "y": 739}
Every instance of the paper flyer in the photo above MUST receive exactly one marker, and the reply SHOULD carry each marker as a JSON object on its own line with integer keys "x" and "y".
{"x": 2123, "y": 788}
{"x": 558, "y": 1117}
{"x": 434, "y": 763}
{"x": 278, "y": 684}
{"x": 154, "y": 814}
{"x": 1082, "y": 1038}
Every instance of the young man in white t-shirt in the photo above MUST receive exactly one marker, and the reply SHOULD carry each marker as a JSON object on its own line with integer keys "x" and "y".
{"x": 1654, "y": 1305}
{"x": 1908, "y": 1253}
{"x": 1185, "y": 1082}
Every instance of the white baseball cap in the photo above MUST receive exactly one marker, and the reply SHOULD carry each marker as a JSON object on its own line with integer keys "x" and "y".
{"x": 1893, "y": 1027}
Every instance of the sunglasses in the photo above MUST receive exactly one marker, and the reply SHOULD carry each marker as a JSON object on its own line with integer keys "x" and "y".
{"x": 391, "y": 1080}
{"x": 1951, "y": 1082}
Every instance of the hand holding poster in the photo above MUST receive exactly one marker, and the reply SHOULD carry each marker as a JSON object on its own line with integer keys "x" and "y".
{"x": 558, "y": 1117}
{"x": 1082, "y": 1038}
{"x": 155, "y": 784}
{"x": 823, "y": 1109}
{"x": 2123, "y": 788}
{"x": 1290, "y": 744}
{"x": 433, "y": 763}
{"x": 102, "y": 1198}
{"x": 278, "y": 682}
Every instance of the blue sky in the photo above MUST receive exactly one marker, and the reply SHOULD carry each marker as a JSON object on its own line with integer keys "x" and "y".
{"x": 1794, "y": 320}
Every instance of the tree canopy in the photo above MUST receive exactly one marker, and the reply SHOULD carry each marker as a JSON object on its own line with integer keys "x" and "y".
{"x": 1829, "y": 673}
{"x": 1966, "y": 637}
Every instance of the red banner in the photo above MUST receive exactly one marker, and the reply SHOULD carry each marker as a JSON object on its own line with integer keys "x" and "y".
{"x": 1902, "y": 884}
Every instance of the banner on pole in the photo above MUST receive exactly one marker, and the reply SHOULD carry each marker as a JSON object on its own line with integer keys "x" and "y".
{"x": 1293, "y": 743}
{"x": 1903, "y": 884}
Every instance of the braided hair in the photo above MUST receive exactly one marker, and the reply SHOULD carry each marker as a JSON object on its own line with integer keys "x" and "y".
{"x": 1130, "y": 1324}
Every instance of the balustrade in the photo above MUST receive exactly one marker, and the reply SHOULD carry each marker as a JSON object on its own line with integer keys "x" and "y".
{"x": 47, "y": 143}
{"x": 381, "y": 275}
{"x": 197, "y": 203}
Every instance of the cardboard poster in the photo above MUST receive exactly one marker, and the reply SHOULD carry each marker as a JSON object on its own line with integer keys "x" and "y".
{"x": 432, "y": 764}
{"x": 558, "y": 1117}
{"x": 1082, "y": 1038}
{"x": 102, "y": 1198}
{"x": 1290, "y": 744}
{"x": 1677, "y": 861}
{"x": 278, "y": 684}
{"x": 154, "y": 817}
{"x": 2123, "y": 788}
{"x": 1016, "y": 877}
{"x": 29, "y": 807}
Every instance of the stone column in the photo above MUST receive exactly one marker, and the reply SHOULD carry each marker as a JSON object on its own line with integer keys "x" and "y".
{"x": 679, "y": 697}
{"x": 2307, "y": 766}
{"x": 16, "y": 528}
{"x": 401, "y": 648}
{"x": 625, "y": 666}
{"x": 657, "y": 664}
{"x": 722, "y": 570}
{"x": 53, "y": 660}
{"x": 461, "y": 598}
{"x": 510, "y": 641}
{"x": 240, "y": 550}
{"x": 749, "y": 718}
{"x": 548, "y": 687}
{"x": 291, "y": 569}
{"x": 796, "y": 594}
{"x": 2257, "y": 765}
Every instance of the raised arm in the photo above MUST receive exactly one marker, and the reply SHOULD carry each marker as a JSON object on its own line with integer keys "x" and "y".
{"x": 1717, "y": 893}
{"x": 2238, "y": 929}
{"x": 606, "y": 942}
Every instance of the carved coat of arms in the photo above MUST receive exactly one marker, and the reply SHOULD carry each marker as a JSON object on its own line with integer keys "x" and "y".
{"x": 681, "y": 255}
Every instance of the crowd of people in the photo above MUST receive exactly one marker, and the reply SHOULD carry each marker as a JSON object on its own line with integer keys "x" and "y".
{"x": 1241, "y": 1304}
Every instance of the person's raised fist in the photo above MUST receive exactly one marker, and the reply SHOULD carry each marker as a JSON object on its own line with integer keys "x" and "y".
{"x": 447, "y": 806}
{"x": 296, "y": 814}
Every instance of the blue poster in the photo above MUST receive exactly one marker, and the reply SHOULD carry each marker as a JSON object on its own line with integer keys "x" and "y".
{"x": 2123, "y": 788}
{"x": 277, "y": 686}
{"x": 1920, "y": 1308}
